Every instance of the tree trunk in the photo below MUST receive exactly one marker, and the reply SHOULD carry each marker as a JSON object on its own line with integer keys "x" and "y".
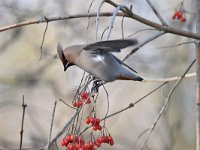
{"x": 197, "y": 5}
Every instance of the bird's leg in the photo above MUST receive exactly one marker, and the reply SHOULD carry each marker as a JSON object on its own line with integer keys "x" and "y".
{"x": 96, "y": 84}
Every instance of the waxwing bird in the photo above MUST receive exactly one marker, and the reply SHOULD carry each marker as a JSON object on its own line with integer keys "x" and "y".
{"x": 97, "y": 59}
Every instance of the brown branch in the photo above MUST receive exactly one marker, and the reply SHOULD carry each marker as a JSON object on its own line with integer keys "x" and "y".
{"x": 197, "y": 5}
{"x": 51, "y": 127}
{"x": 51, "y": 19}
{"x": 22, "y": 123}
{"x": 67, "y": 125}
{"x": 165, "y": 105}
{"x": 142, "y": 44}
{"x": 107, "y": 14}
{"x": 131, "y": 105}
{"x": 43, "y": 37}
{"x": 156, "y": 12}
{"x": 167, "y": 29}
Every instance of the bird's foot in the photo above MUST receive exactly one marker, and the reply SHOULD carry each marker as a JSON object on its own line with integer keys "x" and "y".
{"x": 96, "y": 84}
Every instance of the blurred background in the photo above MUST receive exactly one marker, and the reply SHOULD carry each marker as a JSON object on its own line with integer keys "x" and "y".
{"x": 44, "y": 81}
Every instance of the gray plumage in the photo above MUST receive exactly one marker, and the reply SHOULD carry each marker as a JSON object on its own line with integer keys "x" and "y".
{"x": 97, "y": 59}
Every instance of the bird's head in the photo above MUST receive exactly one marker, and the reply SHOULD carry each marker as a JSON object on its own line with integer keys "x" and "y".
{"x": 65, "y": 61}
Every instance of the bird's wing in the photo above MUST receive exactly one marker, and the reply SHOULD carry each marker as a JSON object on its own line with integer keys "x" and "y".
{"x": 122, "y": 63}
{"x": 110, "y": 46}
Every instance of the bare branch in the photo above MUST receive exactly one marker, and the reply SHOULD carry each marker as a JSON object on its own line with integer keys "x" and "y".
{"x": 166, "y": 104}
{"x": 107, "y": 14}
{"x": 150, "y": 29}
{"x": 22, "y": 123}
{"x": 67, "y": 125}
{"x": 130, "y": 14}
{"x": 183, "y": 43}
{"x": 189, "y": 75}
{"x": 156, "y": 13}
{"x": 97, "y": 19}
{"x": 142, "y": 44}
{"x": 66, "y": 104}
{"x": 50, "y": 131}
{"x": 43, "y": 37}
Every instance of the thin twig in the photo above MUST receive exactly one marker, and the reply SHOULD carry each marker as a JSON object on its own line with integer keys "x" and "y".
{"x": 179, "y": 44}
{"x": 112, "y": 21}
{"x": 43, "y": 37}
{"x": 156, "y": 13}
{"x": 106, "y": 14}
{"x": 141, "y": 31}
{"x": 67, "y": 125}
{"x": 189, "y": 75}
{"x": 122, "y": 27}
{"x": 104, "y": 32}
{"x": 66, "y": 104}
{"x": 97, "y": 19}
{"x": 142, "y": 44}
{"x": 51, "y": 127}
{"x": 22, "y": 123}
{"x": 133, "y": 104}
{"x": 129, "y": 106}
{"x": 130, "y": 14}
{"x": 90, "y": 6}
{"x": 166, "y": 104}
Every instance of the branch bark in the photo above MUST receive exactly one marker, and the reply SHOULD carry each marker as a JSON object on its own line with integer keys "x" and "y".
{"x": 157, "y": 26}
{"x": 197, "y": 4}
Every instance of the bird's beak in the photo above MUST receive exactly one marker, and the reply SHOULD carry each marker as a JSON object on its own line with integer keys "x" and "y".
{"x": 66, "y": 64}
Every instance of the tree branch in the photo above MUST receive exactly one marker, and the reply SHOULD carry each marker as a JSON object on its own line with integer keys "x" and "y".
{"x": 106, "y": 14}
{"x": 22, "y": 124}
{"x": 167, "y": 29}
{"x": 165, "y": 105}
{"x": 157, "y": 14}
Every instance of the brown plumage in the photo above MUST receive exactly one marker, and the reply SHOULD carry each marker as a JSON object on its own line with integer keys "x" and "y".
{"x": 97, "y": 59}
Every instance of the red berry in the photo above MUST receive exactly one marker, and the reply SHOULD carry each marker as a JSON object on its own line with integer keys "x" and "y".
{"x": 72, "y": 138}
{"x": 111, "y": 142}
{"x": 79, "y": 104}
{"x": 66, "y": 142}
{"x": 80, "y": 140}
{"x": 95, "y": 128}
{"x": 179, "y": 14}
{"x": 182, "y": 19}
{"x": 84, "y": 95}
{"x": 88, "y": 120}
{"x": 97, "y": 121}
{"x": 86, "y": 146}
{"x": 98, "y": 144}
{"x": 68, "y": 137}
{"x": 70, "y": 146}
{"x": 88, "y": 101}
{"x": 78, "y": 145}
{"x": 106, "y": 140}
{"x": 62, "y": 142}
{"x": 100, "y": 139}
{"x": 99, "y": 127}
{"x": 91, "y": 144}
{"x": 92, "y": 120}
{"x": 74, "y": 104}
{"x": 174, "y": 16}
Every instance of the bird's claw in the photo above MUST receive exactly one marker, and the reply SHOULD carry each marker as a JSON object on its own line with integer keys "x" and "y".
{"x": 96, "y": 84}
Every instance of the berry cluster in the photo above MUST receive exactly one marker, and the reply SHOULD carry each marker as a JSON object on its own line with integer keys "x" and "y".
{"x": 95, "y": 123}
{"x": 179, "y": 16}
{"x": 72, "y": 142}
{"x": 84, "y": 99}
{"x": 179, "y": 13}
{"x": 104, "y": 139}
